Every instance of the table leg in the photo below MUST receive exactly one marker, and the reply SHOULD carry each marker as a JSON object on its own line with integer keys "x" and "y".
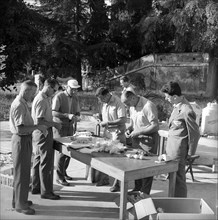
{"x": 172, "y": 183}
{"x": 123, "y": 199}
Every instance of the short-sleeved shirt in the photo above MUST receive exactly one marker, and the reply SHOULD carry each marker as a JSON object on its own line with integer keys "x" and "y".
{"x": 19, "y": 115}
{"x": 143, "y": 113}
{"x": 113, "y": 110}
{"x": 41, "y": 107}
{"x": 64, "y": 103}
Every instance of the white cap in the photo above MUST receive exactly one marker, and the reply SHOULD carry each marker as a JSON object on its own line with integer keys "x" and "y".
{"x": 72, "y": 83}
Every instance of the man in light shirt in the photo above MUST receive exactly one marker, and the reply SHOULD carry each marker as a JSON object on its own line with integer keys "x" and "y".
{"x": 43, "y": 164}
{"x": 113, "y": 119}
{"x": 21, "y": 127}
{"x": 66, "y": 111}
{"x": 143, "y": 130}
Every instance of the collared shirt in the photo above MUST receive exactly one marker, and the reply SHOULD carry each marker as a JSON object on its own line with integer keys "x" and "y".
{"x": 113, "y": 110}
{"x": 143, "y": 113}
{"x": 19, "y": 115}
{"x": 64, "y": 103}
{"x": 41, "y": 107}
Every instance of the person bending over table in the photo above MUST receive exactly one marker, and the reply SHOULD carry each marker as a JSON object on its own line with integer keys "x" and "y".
{"x": 183, "y": 134}
{"x": 143, "y": 130}
{"x": 113, "y": 116}
{"x": 65, "y": 110}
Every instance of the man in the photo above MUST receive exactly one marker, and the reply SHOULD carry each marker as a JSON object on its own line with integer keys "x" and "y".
{"x": 183, "y": 133}
{"x": 125, "y": 83}
{"x": 65, "y": 110}
{"x": 113, "y": 119}
{"x": 143, "y": 130}
{"x": 43, "y": 164}
{"x": 22, "y": 126}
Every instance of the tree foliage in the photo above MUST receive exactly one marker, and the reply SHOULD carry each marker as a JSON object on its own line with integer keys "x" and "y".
{"x": 180, "y": 26}
{"x": 62, "y": 35}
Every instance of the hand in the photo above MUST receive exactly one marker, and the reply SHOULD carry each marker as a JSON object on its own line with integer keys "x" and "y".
{"x": 43, "y": 129}
{"x": 127, "y": 133}
{"x": 104, "y": 124}
{"x": 134, "y": 134}
{"x": 77, "y": 119}
{"x": 58, "y": 126}
{"x": 71, "y": 116}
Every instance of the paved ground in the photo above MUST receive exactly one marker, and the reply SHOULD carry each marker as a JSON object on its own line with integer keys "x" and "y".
{"x": 83, "y": 200}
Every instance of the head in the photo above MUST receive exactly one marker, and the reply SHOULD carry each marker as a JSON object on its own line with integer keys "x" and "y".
{"x": 172, "y": 92}
{"x": 129, "y": 98}
{"x": 103, "y": 94}
{"x": 50, "y": 87}
{"x": 28, "y": 90}
{"x": 41, "y": 82}
{"x": 72, "y": 86}
{"x": 124, "y": 81}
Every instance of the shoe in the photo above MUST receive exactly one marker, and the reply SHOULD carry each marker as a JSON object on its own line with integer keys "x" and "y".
{"x": 35, "y": 191}
{"x": 134, "y": 191}
{"x": 68, "y": 177}
{"x": 115, "y": 188}
{"x": 63, "y": 182}
{"x": 29, "y": 203}
{"x": 27, "y": 211}
{"x": 51, "y": 196}
{"x": 102, "y": 183}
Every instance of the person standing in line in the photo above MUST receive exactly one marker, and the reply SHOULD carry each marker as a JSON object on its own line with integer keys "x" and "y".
{"x": 65, "y": 110}
{"x": 21, "y": 127}
{"x": 143, "y": 130}
{"x": 43, "y": 165}
{"x": 126, "y": 85}
{"x": 113, "y": 119}
{"x": 183, "y": 134}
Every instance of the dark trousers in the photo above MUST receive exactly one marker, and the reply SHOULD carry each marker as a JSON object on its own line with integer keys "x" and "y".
{"x": 147, "y": 143}
{"x": 43, "y": 165}
{"x": 21, "y": 154}
{"x": 181, "y": 187}
{"x": 62, "y": 165}
{"x": 62, "y": 161}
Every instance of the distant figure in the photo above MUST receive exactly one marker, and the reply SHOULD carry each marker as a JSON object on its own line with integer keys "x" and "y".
{"x": 21, "y": 127}
{"x": 127, "y": 86}
{"x": 66, "y": 111}
{"x": 183, "y": 133}
{"x": 85, "y": 79}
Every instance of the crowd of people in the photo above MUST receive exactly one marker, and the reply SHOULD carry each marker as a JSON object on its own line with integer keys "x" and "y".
{"x": 55, "y": 113}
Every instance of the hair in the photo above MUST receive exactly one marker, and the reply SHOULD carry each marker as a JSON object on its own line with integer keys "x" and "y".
{"x": 172, "y": 88}
{"x": 101, "y": 91}
{"x": 128, "y": 94}
{"x": 124, "y": 78}
{"x": 28, "y": 84}
{"x": 51, "y": 82}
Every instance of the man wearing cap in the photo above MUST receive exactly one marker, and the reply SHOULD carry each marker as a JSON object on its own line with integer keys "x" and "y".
{"x": 65, "y": 110}
{"x": 113, "y": 119}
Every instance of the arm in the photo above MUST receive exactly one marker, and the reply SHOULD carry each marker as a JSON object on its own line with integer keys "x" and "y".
{"x": 23, "y": 129}
{"x": 193, "y": 132}
{"x": 113, "y": 123}
{"x": 43, "y": 121}
{"x": 150, "y": 114}
{"x": 146, "y": 130}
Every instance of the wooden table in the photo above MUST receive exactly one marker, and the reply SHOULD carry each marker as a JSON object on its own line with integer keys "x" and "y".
{"x": 123, "y": 169}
